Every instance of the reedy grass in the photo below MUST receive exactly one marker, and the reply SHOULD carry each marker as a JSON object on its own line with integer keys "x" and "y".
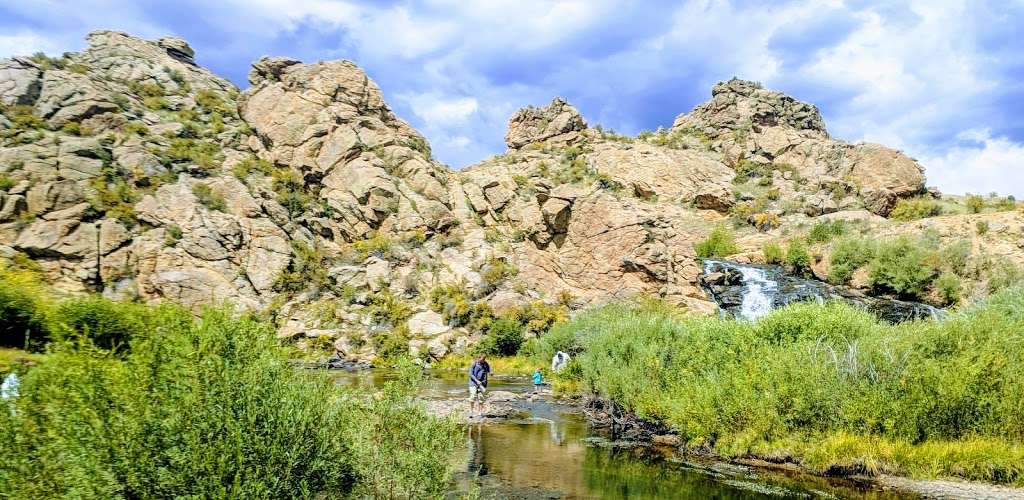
{"x": 823, "y": 384}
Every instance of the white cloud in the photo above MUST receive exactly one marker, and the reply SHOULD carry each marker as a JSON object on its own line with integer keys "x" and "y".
{"x": 439, "y": 111}
{"x": 24, "y": 43}
{"x": 906, "y": 74}
{"x": 983, "y": 164}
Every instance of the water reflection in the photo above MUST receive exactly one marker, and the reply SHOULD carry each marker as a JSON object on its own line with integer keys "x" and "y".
{"x": 547, "y": 456}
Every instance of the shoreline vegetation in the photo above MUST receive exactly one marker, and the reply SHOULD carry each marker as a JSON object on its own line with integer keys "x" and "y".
{"x": 125, "y": 400}
{"x": 824, "y": 386}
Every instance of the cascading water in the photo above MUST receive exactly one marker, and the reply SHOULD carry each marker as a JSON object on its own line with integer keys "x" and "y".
{"x": 758, "y": 293}
{"x": 751, "y": 291}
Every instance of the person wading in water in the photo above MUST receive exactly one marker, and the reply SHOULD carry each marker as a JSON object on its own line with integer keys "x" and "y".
{"x": 478, "y": 385}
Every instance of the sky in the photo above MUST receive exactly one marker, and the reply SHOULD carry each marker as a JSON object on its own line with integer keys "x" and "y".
{"x": 942, "y": 80}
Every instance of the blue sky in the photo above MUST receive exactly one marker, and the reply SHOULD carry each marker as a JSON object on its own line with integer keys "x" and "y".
{"x": 942, "y": 80}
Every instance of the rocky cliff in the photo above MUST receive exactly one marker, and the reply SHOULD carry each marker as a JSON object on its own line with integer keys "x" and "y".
{"x": 129, "y": 170}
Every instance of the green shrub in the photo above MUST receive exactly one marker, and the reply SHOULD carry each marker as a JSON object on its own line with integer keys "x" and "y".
{"x": 136, "y": 128}
{"x": 948, "y": 287}
{"x": 388, "y": 309}
{"x": 114, "y": 196}
{"x": 719, "y": 243}
{"x": 975, "y": 204}
{"x": 504, "y": 337}
{"x": 307, "y": 269}
{"x": 419, "y": 144}
{"x": 798, "y": 258}
{"x": 772, "y": 253}
{"x": 809, "y": 376}
{"x": 494, "y": 271}
{"x": 155, "y": 103}
{"x": 955, "y": 256}
{"x": 23, "y": 117}
{"x": 72, "y": 128}
{"x": 291, "y": 191}
{"x": 981, "y": 227}
{"x": 1006, "y": 204}
{"x": 22, "y": 310}
{"x": 825, "y": 231}
{"x": 205, "y": 155}
{"x": 6, "y": 182}
{"x": 747, "y": 170}
{"x": 1003, "y": 274}
{"x": 251, "y": 165}
{"x": 106, "y": 324}
{"x": 848, "y": 255}
{"x": 208, "y": 197}
{"x": 379, "y": 245}
{"x": 901, "y": 266}
{"x": 46, "y": 62}
{"x": 455, "y": 306}
{"x": 211, "y": 101}
{"x": 915, "y": 208}
{"x": 210, "y": 409}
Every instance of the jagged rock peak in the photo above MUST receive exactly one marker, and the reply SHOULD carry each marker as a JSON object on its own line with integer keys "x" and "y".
{"x": 270, "y": 68}
{"x": 557, "y": 122}
{"x": 737, "y": 104}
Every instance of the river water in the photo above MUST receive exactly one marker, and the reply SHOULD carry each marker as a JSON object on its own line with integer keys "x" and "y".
{"x": 553, "y": 453}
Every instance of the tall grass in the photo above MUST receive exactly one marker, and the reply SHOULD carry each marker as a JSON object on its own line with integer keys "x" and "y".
{"x": 809, "y": 377}
{"x": 206, "y": 408}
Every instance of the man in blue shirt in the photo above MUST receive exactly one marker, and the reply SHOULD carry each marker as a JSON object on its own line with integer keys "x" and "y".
{"x": 478, "y": 384}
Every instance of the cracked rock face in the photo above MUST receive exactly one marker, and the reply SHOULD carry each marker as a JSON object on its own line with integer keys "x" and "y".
{"x": 557, "y": 122}
{"x": 750, "y": 124}
{"x": 140, "y": 174}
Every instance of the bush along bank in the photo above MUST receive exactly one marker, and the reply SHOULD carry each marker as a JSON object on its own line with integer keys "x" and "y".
{"x": 133, "y": 401}
{"x": 825, "y": 386}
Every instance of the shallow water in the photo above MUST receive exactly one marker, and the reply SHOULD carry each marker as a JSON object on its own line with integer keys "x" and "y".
{"x": 555, "y": 454}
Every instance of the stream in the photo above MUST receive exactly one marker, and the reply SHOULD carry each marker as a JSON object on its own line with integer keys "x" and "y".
{"x": 750, "y": 291}
{"x": 551, "y": 452}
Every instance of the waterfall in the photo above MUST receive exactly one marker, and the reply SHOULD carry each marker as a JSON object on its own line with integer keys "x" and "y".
{"x": 751, "y": 291}
{"x": 758, "y": 293}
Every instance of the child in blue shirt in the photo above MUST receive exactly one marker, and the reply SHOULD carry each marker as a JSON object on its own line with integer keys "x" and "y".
{"x": 538, "y": 379}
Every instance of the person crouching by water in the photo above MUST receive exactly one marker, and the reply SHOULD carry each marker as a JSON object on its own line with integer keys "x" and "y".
{"x": 538, "y": 380}
{"x": 478, "y": 372}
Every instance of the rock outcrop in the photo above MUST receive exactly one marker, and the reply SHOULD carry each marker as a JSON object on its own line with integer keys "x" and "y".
{"x": 130, "y": 170}
{"x": 557, "y": 122}
{"x": 774, "y": 131}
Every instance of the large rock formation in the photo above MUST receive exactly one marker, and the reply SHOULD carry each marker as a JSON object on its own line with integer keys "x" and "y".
{"x": 128, "y": 169}
{"x": 750, "y": 124}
